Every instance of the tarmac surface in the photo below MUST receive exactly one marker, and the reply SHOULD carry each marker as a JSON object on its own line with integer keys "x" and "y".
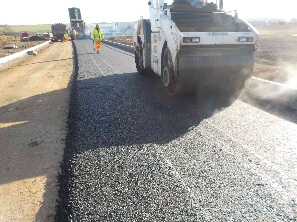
{"x": 135, "y": 154}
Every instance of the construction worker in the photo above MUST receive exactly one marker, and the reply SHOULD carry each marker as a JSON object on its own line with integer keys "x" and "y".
{"x": 66, "y": 37}
{"x": 74, "y": 34}
{"x": 97, "y": 36}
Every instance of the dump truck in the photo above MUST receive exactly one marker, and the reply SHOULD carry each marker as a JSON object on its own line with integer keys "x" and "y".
{"x": 58, "y": 31}
{"x": 77, "y": 24}
{"x": 24, "y": 37}
{"x": 195, "y": 44}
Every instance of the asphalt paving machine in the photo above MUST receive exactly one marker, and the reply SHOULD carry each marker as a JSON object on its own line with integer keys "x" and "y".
{"x": 193, "y": 44}
{"x": 77, "y": 24}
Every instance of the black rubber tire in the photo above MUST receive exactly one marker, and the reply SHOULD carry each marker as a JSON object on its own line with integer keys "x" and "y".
{"x": 169, "y": 77}
{"x": 139, "y": 66}
{"x": 139, "y": 61}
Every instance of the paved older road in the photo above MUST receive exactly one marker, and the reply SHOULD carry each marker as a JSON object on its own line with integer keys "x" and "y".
{"x": 136, "y": 154}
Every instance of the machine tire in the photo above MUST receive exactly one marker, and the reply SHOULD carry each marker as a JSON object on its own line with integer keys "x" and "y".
{"x": 169, "y": 76}
{"x": 139, "y": 61}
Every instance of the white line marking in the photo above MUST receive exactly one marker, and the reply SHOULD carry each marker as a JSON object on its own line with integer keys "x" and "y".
{"x": 275, "y": 83}
{"x": 275, "y": 184}
{"x": 101, "y": 72}
{"x": 193, "y": 194}
{"x": 109, "y": 65}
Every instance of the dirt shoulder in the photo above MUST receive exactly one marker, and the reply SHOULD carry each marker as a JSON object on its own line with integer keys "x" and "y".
{"x": 33, "y": 111}
{"x": 276, "y": 57}
{"x": 127, "y": 40}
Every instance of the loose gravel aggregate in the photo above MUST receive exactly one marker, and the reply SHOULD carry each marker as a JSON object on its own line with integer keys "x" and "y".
{"x": 135, "y": 154}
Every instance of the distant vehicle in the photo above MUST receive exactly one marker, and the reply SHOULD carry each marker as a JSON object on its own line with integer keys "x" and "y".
{"x": 58, "y": 31}
{"x": 25, "y": 39}
{"x": 40, "y": 35}
{"x": 46, "y": 36}
{"x": 36, "y": 38}
{"x": 24, "y": 35}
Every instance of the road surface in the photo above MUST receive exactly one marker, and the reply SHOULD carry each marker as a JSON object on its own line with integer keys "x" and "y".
{"x": 135, "y": 154}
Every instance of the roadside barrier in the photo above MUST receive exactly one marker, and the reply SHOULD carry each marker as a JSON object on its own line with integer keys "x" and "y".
{"x": 120, "y": 46}
{"x": 21, "y": 53}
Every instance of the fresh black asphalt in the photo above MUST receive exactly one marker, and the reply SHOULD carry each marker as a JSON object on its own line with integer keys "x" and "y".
{"x": 135, "y": 154}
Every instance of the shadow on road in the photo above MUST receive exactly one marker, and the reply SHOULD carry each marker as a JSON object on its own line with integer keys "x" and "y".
{"x": 107, "y": 111}
{"x": 123, "y": 111}
{"x": 129, "y": 108}
{"x": 110, "y": 168}
{"x": 25, "y": 119}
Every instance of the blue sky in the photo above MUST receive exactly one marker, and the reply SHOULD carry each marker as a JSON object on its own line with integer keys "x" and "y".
{"x": 47, "y": 12}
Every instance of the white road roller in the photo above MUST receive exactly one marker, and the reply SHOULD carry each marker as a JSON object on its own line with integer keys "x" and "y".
{"x": 192, "y": 44}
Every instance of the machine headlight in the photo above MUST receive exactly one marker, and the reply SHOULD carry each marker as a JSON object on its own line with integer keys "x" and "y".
{"x": 187, "y": 40}
{"x": 245, "y": 39}
{"x": 195, "y": 39}
{"x": 191, "y": 39}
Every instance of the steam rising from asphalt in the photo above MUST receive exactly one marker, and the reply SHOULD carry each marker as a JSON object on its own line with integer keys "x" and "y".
{"x": 283, "y": 91}
{"x": 291, "y": 71}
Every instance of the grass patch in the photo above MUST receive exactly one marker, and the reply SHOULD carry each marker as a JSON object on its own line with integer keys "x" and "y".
{"x": 17, "y": 29}
{"x": 278, "y": 30}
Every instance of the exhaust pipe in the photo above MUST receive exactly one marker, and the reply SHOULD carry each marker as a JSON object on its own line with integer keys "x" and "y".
{"x": 221, "y": 5}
